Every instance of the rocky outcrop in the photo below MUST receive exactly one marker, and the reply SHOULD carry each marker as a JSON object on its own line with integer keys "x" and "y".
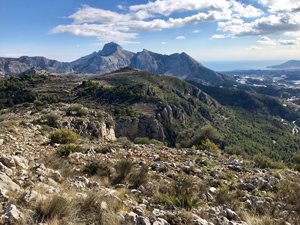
{"x": 87, "y": 128}
{"x": 146, "y": 126}
{"x": 110, "y": 58}
{"x": 179, "y": 65}
{"x": 19, "y": 65}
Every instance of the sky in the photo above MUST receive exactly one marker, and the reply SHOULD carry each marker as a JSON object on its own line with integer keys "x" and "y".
{"x": 207, "y": 30}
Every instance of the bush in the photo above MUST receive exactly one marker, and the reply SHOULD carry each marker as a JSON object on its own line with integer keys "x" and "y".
{"x": 183, "y": 191}
{"x": 236, "y": 150}
{"x": 82, "y": 112}
{"x": 68, "y": 149}
{"x": 58, "y": 207}
{"x": 265, "y": 162}
{"x": 296, "y": 159}
{"x": 207, "y": 132}
{"x": 147, "y": 141}
{"x": 186, "y": 202}
{"x": 38, "y": 103}
{"x": 139, "y": 177}
{"x": 98, "y": 167}
{"x": 210, "y": 146}
{"x": 52, "y": 119}
{"x": 123, "y": 168}
{"x": 125, "y": 142}
{"x": 63, "y": 136}
{"x": 78, "y": 110}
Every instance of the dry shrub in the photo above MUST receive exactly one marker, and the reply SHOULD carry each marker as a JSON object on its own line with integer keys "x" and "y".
{"x": 139, "y": 176}
{"x": 98, "y": 167}
{"x": 56, "y": 208}
{"x": 123, "y": 168}
{"x": 90, "y": 211}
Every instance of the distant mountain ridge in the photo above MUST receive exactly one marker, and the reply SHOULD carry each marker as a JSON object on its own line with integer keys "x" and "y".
{"x": 113, "y": 57}
{"x": 292, "y": 64}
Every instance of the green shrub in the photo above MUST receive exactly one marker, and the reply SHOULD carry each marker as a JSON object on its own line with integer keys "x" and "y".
{"x": 236, "y": 150}
{"x": 63, "y": 136}
{"x": 125, "y": 142}
{"x": 82, "y": 112}
{"x": 98, "y": 167}
{"x": 265, "y": 162}
{"x": 123, "y": 168}
{"x": 288, "y": 191}
{"x": 52, "y": 119}
{"x": 186, "y": 202}
{"x": 207, "y": 132}
{"x": 210, "y": 146}
{"x": 139, "y": 177}
{"x": 124, "y": 113}
{"x": 75, "y": 107}
{"x": 78, "y": 110}
{"x": 38, "y": 103}
{"x": 208, "y": 163}
{"x": 100, "y": 114}
{"x": 296, "y": 159}
{"x": 68, "y": 149}
{"x": 147, "y": 141}
{"x": 183, "y": 194}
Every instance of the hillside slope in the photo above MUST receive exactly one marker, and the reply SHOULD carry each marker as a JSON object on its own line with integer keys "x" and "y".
{"x": 90, "y": 181}
{"x": 292, "y": 64}
{"x": 164, "y": 108}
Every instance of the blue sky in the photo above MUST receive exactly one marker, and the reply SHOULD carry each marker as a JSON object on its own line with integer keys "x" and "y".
{"x": 218, "y": 30}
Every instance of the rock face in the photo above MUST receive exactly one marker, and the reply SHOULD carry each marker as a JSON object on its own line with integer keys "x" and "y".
{"x": 143, "y": 127}
{"x": 19, "y": 65}
{"x": 87, "y": 128}
{"x": 179, "y": 65}
{"x": 113, "y": 57}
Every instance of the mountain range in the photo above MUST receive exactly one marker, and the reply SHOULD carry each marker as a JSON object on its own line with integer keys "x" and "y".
{"x": 113, "y": 57}
{"x": 290, "y": 65}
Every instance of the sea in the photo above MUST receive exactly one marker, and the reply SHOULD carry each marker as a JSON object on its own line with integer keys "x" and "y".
{"x": 223, "y": 66}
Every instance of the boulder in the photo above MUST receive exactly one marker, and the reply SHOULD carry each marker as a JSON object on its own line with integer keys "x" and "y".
{"x": 7, "y": 184}
{"x": 8, "y": 161}
{"x": 5, "y": 170}
{"x": 21, "y": 162}
{"x": 12, "y": 214}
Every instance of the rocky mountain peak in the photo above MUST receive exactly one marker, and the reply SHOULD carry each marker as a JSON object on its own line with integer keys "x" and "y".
{"x": 110, "y": 48}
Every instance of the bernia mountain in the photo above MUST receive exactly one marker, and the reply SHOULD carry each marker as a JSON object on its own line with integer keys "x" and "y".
{"x": 113, "y": 57}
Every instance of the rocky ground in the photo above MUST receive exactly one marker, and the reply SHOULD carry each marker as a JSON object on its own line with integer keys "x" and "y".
{"x": 103, "y": 181}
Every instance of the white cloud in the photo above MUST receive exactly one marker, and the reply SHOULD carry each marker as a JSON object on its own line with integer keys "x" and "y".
{"x": 273, "y": 24}
{"x": 88, "y": 15}
{"x": 157, "y": 15}
{"x": 253, "y": 48}
{"x": 245, "y": 11}
{"x": 295, "y": 42}
{"x": 180, "y": 37}
{"x": 281, "y": 6}
{"x": 266, "y": 41}
{"x": 168, "y": 7}
{"x": 218, "y": 36}
{"x": 103, "y": 32}
{"x": 163, "y": 43}
{"x": 120, "y": 7}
